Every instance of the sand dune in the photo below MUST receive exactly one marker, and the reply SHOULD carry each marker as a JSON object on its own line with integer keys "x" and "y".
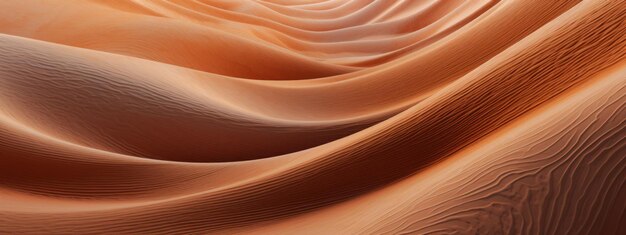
{"x": 312, "y": 116}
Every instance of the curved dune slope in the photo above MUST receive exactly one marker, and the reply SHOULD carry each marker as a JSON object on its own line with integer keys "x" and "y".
{"x": 312, "y": 116}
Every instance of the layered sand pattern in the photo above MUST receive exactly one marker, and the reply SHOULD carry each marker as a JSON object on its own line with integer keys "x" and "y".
{"x": 312, "y": 117}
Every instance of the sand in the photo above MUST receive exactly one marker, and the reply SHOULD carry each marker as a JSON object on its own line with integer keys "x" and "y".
{"x": 312, "y": 117}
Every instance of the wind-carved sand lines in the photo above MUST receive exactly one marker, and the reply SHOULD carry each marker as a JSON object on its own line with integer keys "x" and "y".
{"x": 312, "y": 116}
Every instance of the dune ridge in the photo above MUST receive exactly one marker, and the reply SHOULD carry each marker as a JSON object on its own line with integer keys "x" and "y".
{"x": 312, "y": 116}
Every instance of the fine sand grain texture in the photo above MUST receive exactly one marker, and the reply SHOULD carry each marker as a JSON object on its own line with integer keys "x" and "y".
{"x": 312, "y": 117}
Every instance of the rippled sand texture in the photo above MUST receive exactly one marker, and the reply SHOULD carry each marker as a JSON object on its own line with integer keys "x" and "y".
{"x": 312, "y": 117}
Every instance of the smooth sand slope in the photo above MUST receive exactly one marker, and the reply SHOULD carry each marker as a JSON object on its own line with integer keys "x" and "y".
{"x": 312, "y": 116}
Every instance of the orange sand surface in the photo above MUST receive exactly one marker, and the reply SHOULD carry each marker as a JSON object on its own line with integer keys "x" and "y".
{"x": 312, "y": 117}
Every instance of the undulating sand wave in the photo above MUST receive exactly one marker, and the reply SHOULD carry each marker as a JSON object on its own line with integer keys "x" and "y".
{"x": 312, "y": 116}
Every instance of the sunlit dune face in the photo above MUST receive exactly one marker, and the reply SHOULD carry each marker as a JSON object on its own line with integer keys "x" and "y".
{"x": 312, "y": 117}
